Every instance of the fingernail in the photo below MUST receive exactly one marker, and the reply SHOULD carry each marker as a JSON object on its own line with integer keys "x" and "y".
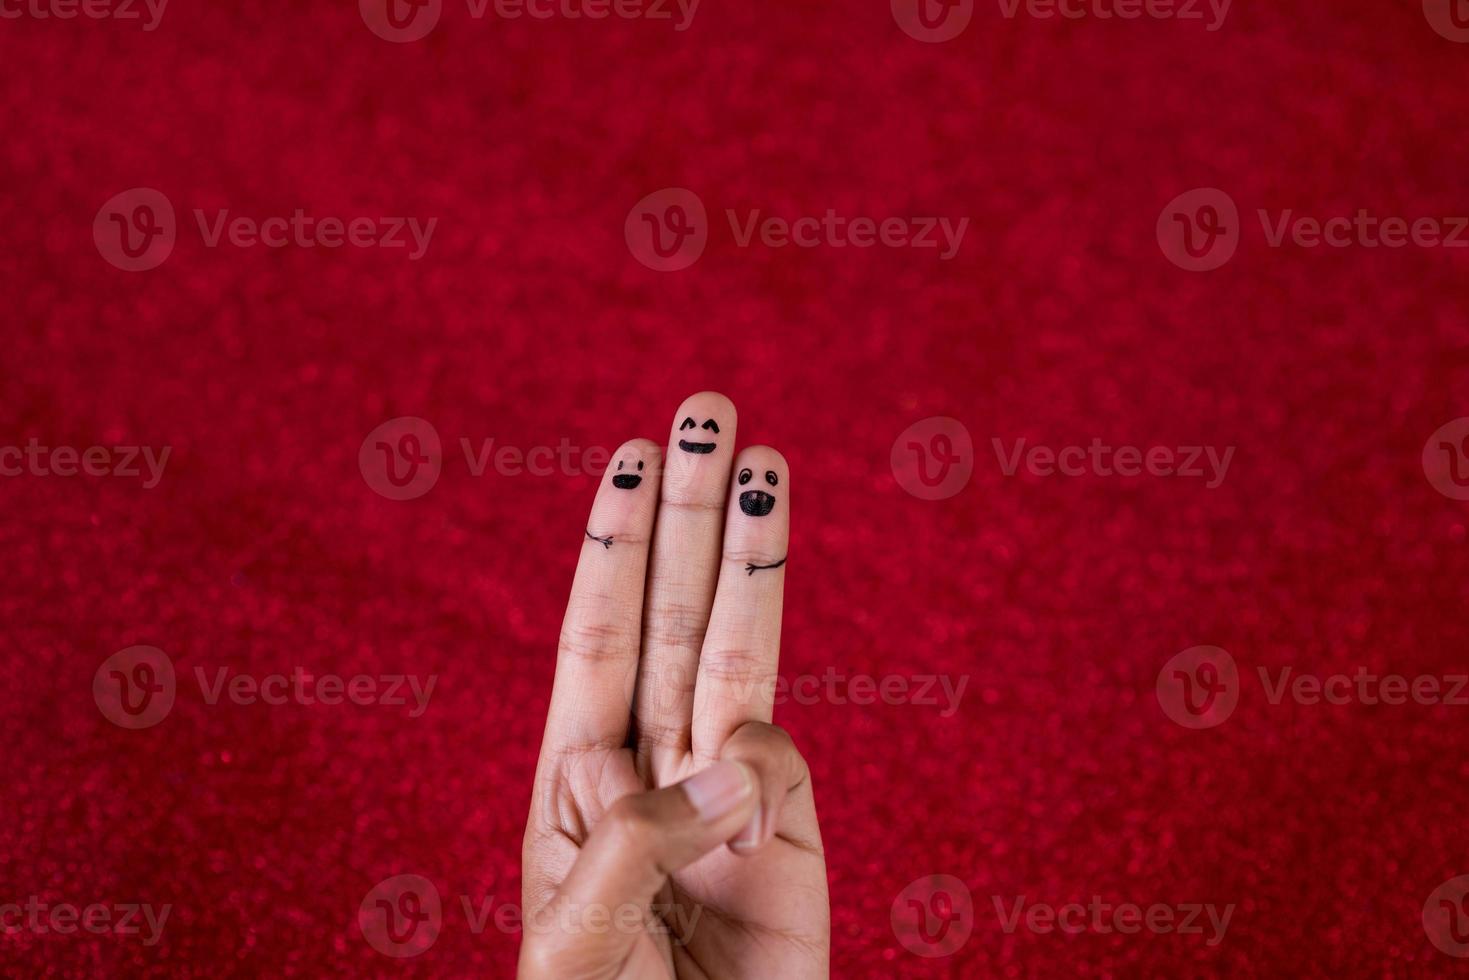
{"x": 749, "y": 838}
{"x": 718, "y": 790}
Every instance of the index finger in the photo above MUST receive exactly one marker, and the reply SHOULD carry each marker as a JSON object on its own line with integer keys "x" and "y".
{"x": 597, "y": 658}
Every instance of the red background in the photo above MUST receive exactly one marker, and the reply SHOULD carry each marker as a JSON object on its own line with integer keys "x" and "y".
{"x": 529, "y": 321}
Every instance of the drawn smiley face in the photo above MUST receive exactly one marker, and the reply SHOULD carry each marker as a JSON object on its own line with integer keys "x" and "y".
{"x": 698, "y": 447}
{"x": 757, "y": 503}
{"x": 627, "y": 480}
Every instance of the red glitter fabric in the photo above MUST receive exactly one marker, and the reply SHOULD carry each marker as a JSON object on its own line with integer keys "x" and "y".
{"x": 265, "y": 547}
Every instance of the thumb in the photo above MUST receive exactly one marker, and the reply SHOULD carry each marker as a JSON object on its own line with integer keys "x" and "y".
{"x": 645, "y": 837}
{"x": 602, "y": 907}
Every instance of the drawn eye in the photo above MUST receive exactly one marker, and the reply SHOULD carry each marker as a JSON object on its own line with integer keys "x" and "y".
{"x": 771, "y": 478}
{"x": 712, "y": 426}
{"x": 640, "y": 464}
{"x": 619, "y": 464}
{"x": 686, "y": 424}
{"x": 745, "y": 476}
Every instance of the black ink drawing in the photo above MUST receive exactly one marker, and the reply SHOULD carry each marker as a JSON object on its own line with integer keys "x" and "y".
{"x": 757, "y": 503}
{"x": 751, "y": 568}
{"x": 627, "y": 481}
{"x": 604, "y": 542}
{"x": 698, "y": 447}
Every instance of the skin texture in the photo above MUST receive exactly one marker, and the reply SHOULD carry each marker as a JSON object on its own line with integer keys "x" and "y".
{"x": 672, "y": 829}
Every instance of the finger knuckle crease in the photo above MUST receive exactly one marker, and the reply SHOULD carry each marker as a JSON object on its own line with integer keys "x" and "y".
{"x": 595, "y": 641}
{"x": 693, "y": 503}
{"x": 735, "y": 664}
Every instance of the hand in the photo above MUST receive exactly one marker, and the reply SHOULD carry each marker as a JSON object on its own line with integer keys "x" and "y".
{"x": 672, "y": 830}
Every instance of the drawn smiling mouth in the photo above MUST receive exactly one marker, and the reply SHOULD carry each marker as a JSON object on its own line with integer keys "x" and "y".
{"x": 626, "y": 481}
{"x": 696, "y": 447}
{"x": 756, "y": 503}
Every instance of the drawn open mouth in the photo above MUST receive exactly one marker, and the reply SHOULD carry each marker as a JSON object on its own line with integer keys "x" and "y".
{"x": 756, "y": 503}
{"x": 626, "y": 481}
{"x": 696, "y": 447}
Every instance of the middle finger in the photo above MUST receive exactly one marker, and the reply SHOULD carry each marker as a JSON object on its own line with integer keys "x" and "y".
{"x": 683, "y": 571}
